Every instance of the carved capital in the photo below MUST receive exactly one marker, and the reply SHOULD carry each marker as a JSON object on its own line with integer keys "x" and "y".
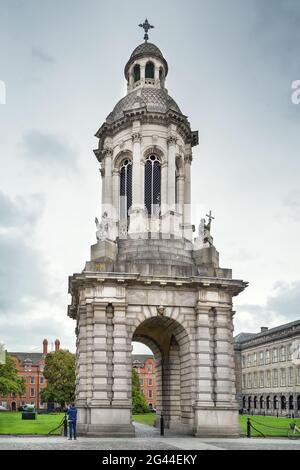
{"x": 136, "y": 137}
{"x": 188, "y": 158}
{"x": 108, "y": 152}
{"x": 172, "y": 140}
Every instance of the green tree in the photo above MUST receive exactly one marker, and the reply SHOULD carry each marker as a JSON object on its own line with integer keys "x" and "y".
{"x": 10, "y": 382}
{"x": 59, "y": 371}
{"x": 139, "y": 404}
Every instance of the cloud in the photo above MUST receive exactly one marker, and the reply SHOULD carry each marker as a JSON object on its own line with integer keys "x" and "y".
{"x": 42, "y": 56}
{"x": 281, "y": 307}
{"x": 48, "y": 149}
{"x": 21, "y": 211}
{"x": 292, "y": 203}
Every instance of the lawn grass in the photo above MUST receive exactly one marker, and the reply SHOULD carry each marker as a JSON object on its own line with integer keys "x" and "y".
{"x": 273, "y": 421}
{"x": 147, "y": 418}
{"x": 12, "y": 423}
{"x": 278, "y": 426}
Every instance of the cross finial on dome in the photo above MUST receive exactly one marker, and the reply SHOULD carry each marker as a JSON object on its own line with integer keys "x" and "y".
{"x": 146, "y": 26}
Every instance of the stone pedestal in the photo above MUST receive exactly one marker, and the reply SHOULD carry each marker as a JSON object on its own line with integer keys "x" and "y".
{"x": 216, "y": 422}
{"x": 104, "y": 250}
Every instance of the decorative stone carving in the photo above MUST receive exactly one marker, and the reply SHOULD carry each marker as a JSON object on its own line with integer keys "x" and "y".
{"x": 136, "y": 137}
{"x": 102, "y": 227}
{"x": 161, "y": 310}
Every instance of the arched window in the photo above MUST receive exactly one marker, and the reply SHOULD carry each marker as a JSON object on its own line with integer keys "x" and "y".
{"x": 136, "y": 73}
{"x": 149, "y": 71}
{"x": 255, "y": 403}
{"x": 152, "y": 185}
{"x": 268, "y": 402}
{"x": 275, "y": 402}
{"x": 291, "y": 402}
{"x": 261, "y": 403}
{"x": 125, "y": 188}
{"x": 283, "y": 402}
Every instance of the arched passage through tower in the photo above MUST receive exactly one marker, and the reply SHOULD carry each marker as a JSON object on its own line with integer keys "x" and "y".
{"x": 170, "y": 345}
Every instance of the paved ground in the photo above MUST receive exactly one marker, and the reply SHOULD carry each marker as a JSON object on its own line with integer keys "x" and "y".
{"x": 148, "y": 439}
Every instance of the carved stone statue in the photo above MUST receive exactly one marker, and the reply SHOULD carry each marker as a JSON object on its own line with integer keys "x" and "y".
{"x": 204, "y": 239}
{"x": 102, "y": 227}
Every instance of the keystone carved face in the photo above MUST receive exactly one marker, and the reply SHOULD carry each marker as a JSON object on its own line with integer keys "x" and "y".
{"x": 161, "y": 310}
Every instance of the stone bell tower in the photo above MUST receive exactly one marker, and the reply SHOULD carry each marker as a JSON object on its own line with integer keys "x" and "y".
{"x": 147, "y": 280}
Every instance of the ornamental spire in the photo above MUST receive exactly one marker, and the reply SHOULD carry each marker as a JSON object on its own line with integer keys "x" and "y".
{"x": 146, "y": 26}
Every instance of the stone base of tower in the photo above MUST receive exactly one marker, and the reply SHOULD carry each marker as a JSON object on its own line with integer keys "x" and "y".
{"x": 105, "y": 422}
{"x": 217, "y": 422}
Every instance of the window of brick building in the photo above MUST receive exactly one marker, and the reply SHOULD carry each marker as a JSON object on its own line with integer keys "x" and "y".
{"x": 150, "y": 368}
{"x": 42, "y": 380}
{"x": 32, "y": 380}
{"x": 149, "y": 394}
{"x": 32, "y": 392}
{"x": 150, "y": 382}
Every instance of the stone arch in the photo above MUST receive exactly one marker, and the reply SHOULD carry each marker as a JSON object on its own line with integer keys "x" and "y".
{"x": 150, "y": 70}
{"x": 283, "y": 402}
{"x": 171, "y": 344}
{"x": 120, "y": 157}
{"x": 155, "y": 150}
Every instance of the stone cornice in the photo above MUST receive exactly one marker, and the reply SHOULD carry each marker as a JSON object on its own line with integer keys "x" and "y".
{"x": 94, "y": 278}
{"x": 269, "y": 337}
{"x": 145, "y": 117}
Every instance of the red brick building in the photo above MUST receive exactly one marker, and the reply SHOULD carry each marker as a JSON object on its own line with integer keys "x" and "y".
{"x": 30, "y": 366}
{"x": 145, "y": 367}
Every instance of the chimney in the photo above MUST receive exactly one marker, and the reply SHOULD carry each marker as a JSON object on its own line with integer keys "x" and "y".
{"x": 45, "y": 347}
{"x": 57, "y": 345}
{"x": 263, "y": 329}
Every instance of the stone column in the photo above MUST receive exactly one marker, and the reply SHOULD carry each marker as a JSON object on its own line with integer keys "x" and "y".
{"x": 108, "y": 152}
{"x": 187, "y": 196}
{"x": 121, "y": 401}
{"x": 81, "y": 370}
{"x": 205, "y": 357}
{"x": 101, "y": 361}
{"x": 219, "y": 413}
{"x": 224, "y": 351}
{"x": 180, "y": 192}
{"x": 136, "y": 170}
{"x": 164, "y": 187}
{"x": 171, "y": 172}
{"x": 116, "y": 194}
{"x": 137, "y": 222}
{"x": 102, "y": 173}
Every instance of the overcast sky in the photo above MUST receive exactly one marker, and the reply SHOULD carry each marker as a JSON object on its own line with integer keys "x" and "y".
{"x": 231, "y": 67}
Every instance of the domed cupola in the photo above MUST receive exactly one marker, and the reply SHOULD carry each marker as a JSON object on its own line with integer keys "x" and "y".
{"x": 146, "y": 65}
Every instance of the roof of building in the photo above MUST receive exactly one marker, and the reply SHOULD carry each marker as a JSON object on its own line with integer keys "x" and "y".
{"x": 240, "y": 338}
{"x": 33, "y": 358}
{"x": 244, "y": 337}
{"x": 143, "y": 50}
{"x": 141, "y": 357}
{"x": 154, "y": 99}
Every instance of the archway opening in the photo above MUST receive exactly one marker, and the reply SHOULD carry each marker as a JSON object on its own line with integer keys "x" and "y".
{"x": 174, "y": 390}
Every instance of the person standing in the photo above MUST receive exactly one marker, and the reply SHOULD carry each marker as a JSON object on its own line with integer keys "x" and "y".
{"x": 72, "y": 418}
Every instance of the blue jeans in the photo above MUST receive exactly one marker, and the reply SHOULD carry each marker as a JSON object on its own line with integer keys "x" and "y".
{"x": 72, "y": 429}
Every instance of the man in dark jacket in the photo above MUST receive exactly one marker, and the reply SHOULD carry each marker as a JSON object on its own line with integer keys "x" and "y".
{"x": 72, "y": 418}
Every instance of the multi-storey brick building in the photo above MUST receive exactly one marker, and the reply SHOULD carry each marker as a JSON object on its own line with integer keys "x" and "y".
{"x": 268, "y": 370}
{"x": 30, "y": 366}
{"x": 145, "y": 367}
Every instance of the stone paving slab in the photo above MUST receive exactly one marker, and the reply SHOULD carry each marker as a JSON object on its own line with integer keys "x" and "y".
{"x": 154, "y": 443}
